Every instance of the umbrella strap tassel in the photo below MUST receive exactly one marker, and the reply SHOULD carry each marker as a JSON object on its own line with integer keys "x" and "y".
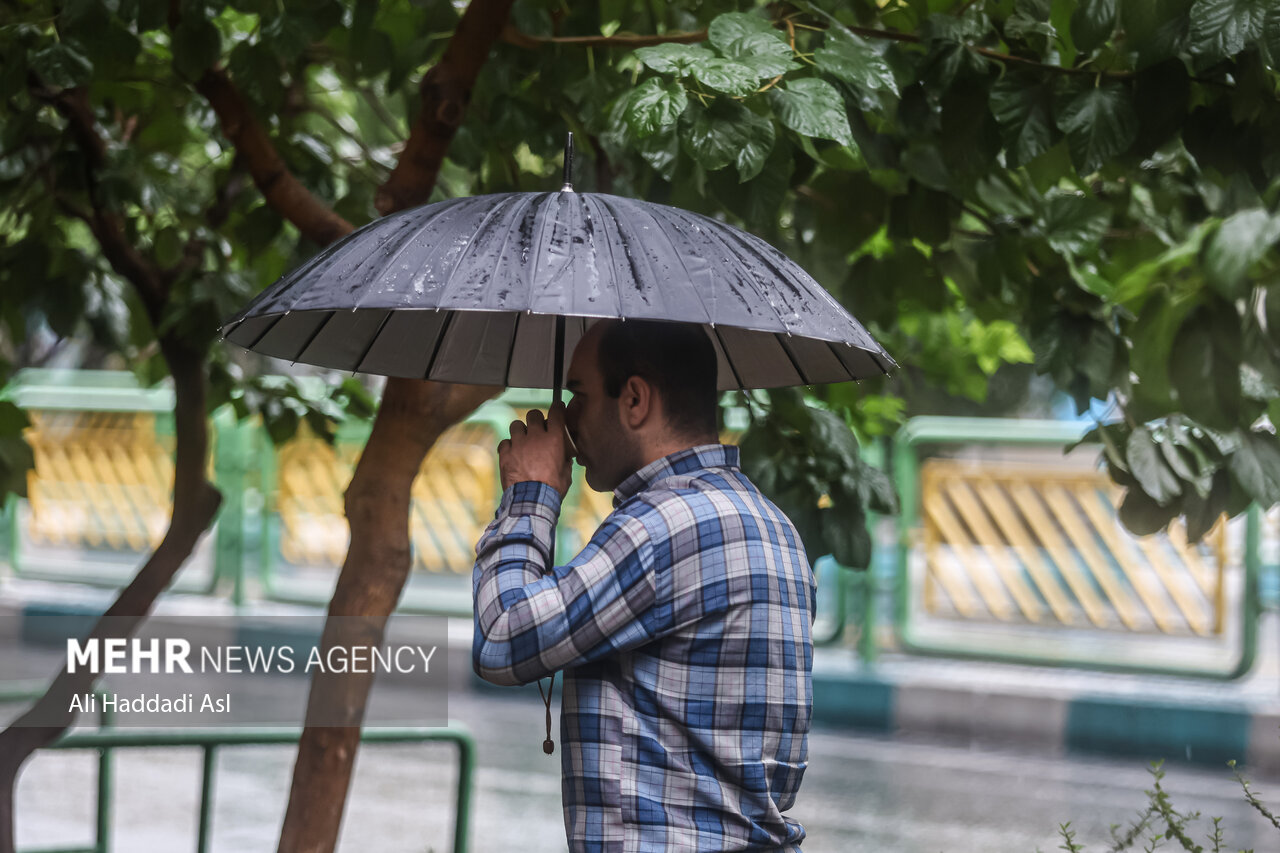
{"x": 549, "y": 745}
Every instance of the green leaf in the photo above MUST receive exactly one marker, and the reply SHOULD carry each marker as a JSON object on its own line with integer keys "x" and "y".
{"x": 765, "y": 55}
{"x": 1154, "y": 29}
{"x": 654, "y": 105}
{"x": 1135, "y": 286}
{"x": 725, "y": 75}
{"x": 1153, "y": 336}
{"x": 1241, "y": 240}
{"x": 197, "y": 44}
{"x": 752, "y": 41}
{"x": 1256, "y": 466}
{"x": 847, "y": 57}
{"x": 729, "y": 28}
{"x": 1272, "y": 310}
{"x": 1142, "y": 515}
{"x": 16, "y": 457}
{"x": 728, "y": 132}
{"x": 1092, "y": 23}
{"x": 1271, "y": 34}
{"x": 676, "y": 59}
{"x": 1205, "y": 376}
{"x": 1202, "y": 511}
{"x": 59, "y": 65}
{"x": 1030, "y": 18}
{"x": 845, "y": 534}
{"x": 949, "y": 39}
{"x": 660, "y": 150}
{"x": 767, "y": 190}
{"x": 1099, "y": 122}
{"x": 1221, "y": 28}
{"x": 168, "y": 246}
{"x": 1022, "y": 108}
{"x": 1050, "y": 167}
{"x": 1177, "y": 460}
{"x": 1148, "y": 467}
{"x": 812, "y": 107}
{"x": 1073, "y": 223}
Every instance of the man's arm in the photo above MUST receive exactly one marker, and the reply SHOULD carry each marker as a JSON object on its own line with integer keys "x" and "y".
{"x": 529, "y": 622}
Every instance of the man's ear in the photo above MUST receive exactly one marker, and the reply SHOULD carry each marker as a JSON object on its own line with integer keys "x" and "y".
{"x": 636, "y": 402}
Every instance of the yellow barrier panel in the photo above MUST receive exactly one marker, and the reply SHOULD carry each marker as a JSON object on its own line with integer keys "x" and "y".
{"x": 453, "y": 499}
{"x": 101, "y": 479}
{"x": 1038, "y": 544}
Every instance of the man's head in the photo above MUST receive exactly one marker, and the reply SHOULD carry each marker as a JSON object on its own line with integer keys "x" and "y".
{"x": 641, "y": 389}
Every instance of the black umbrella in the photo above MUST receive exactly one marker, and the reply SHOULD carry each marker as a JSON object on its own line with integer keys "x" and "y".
{"x": 497, "y": 289}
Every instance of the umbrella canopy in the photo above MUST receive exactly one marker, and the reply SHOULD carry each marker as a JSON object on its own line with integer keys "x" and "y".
{"x": 469, "y": 290}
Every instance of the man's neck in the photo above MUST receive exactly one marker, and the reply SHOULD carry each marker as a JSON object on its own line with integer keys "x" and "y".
{"x": 660, "y": 449}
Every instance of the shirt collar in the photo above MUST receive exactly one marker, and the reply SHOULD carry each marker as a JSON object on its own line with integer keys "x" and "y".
{"x": 680, "y": 462}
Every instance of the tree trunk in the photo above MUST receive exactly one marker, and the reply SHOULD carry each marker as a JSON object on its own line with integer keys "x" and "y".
{"x": 195, "y": 502}
{"x": 412, "y": 416}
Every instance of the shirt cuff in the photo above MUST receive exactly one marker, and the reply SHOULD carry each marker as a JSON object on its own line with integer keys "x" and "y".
{"x": 531, "y": 497}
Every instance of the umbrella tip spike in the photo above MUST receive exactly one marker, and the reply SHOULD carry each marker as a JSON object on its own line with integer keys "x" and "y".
{"x": 568, "y": 163}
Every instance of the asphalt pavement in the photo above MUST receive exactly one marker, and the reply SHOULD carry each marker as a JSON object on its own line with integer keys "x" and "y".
{"x": 860, "y": 793}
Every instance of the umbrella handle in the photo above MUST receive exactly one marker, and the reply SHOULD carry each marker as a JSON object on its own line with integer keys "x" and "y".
{"x": 558, "y": 374}
{"x": 549, "y": 745}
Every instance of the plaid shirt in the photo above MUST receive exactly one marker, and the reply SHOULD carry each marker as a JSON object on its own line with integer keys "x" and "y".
{"x": 683, "y": 629}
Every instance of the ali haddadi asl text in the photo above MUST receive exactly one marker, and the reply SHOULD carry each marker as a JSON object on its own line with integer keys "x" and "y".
{"x": 151, "y": 704}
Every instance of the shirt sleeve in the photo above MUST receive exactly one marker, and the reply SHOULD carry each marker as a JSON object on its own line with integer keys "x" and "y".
{"x": 530, "y": 620}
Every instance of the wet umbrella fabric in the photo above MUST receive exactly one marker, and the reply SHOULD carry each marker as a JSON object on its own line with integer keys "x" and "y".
{"x": 469, "y": 290}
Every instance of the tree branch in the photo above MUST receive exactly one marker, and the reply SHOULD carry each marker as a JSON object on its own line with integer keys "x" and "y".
{"x": 284, "y": 192}
{"x": 107, "y": 228}
{"x": 445, "y": 90}
{"x": 511, "y": 35}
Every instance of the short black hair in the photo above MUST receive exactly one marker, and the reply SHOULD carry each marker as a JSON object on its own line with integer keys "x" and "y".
{"x": 676, "y": 358}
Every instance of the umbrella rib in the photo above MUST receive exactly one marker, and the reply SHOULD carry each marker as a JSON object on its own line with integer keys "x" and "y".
{"x": 301, "y": 273}
{"x": 537, "y": 256}
{"x": 445, "y": 207}
{"x": 444, "y": 289}
{"x": 269, "y": 327}
{"x": 831, "y": 345}
{"x": 373, "y": 340}
{"x": 319, "y": 328}
{"x": 728, "y": 359}
{"x": 729, "y": 254}
{"x": 613, "y": 263}
{"x": 782, "y": 342}
{"x": 506, "y": 237}
{"x": 444, "y": 330}
{"x": 511, "y": 351}
{"x": 234, "y": 325}
{"x": 679, "y": 257}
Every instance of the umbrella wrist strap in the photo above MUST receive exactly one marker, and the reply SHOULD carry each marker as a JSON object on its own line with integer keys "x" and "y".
{"x": 548, "y": 745}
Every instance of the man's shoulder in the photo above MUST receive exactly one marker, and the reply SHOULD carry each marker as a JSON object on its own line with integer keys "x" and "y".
{"x": 697, "y": 496}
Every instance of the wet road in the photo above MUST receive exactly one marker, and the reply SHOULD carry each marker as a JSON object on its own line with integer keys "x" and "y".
{"x": 859, "y": 794}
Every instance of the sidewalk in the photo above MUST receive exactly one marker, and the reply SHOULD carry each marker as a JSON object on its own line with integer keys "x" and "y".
{"x": 1058, "y": 710}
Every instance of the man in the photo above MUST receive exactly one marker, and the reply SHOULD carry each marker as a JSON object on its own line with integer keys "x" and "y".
{"x": 683, "y": 627}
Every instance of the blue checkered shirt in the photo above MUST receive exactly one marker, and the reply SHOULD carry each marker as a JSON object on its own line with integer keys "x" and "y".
{"x": 683, "y": 629}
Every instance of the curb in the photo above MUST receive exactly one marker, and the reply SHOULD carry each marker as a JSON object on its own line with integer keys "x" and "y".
{"x": 1197, "y": 733}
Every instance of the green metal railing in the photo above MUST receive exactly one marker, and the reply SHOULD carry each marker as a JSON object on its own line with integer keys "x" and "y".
{"x": 923, "y": 432}
{"x": 209, "y": 741}
{"x": 247, "y": 559}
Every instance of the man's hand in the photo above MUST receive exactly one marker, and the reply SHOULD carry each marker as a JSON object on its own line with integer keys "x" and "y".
{"x": 538, "y": 451}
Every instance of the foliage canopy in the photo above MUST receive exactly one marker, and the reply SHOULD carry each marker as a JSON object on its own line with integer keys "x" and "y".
{"x": 1090, "y": 187}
